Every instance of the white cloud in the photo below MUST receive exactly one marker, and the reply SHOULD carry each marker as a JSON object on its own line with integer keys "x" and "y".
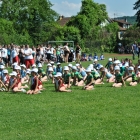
{"x": 67, "y": 8}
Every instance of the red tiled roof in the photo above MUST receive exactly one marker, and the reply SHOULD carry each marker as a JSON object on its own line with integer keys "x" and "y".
{"x": 122, "y": 29}
{"x": 64, "y": 21}
{"x": 121, "y": 21}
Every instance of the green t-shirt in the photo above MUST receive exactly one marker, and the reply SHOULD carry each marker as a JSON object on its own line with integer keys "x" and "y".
{"x": 72, "y": 74}
{"x": 122, "y": 70}
{"x": 109, "y": 64}
{"x": 41, "y": 71}
{"x": 134, "y": 78}
{"x": 58, "y": 52}
{"x": 54, "y": 73}
{"x": 78, "y": 75}
{"x": 95, "y": 74}
{"x": 89, "y": 78}
{"x": 119, "y": 77}
{"x": 66, "y": 77}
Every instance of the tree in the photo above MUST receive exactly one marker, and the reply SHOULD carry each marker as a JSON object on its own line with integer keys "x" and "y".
{"x": 132, "y": 34}
{"x": 91, "y": 14}
{"x": 28, "y": 15}
{"x": 137, "y": 7}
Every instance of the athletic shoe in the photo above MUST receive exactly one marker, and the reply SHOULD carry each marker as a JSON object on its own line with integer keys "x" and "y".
{"x": 26, "y": 86}
{"x": 23, "y": 90}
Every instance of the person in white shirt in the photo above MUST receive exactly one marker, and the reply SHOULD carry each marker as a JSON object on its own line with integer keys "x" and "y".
{"x": 14, "y": 55}
{"x": 66, "y": 52}
{"x": 29, "y": 61}
{"x": 4, "y": 55}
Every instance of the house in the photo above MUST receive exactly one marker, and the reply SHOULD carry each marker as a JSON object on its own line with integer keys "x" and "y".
{"x": 123, "y": 24}
{"x": 63, "y": 20}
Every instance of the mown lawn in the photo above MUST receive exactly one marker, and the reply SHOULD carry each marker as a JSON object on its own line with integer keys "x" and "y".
{"x": 105, "y": 113}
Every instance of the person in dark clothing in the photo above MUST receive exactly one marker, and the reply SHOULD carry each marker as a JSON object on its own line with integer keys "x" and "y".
{"x": 71, "y": 56}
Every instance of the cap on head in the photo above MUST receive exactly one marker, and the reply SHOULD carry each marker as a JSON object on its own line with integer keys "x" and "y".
{"x": 2, "y": 67}
{"x": 77, "y": 65}
{"x": 95, "y": 60}
{"x": 101, "y": 66}
{"x": 23, "y": 66}
{"x": 66, "y": 68}
{"x": 13, "y": 73}
{"x": 110, "y": 59}
{"x": 50, "y": 69}
{"x": 70, "y": 65}
{"x": 17, "y": 67}
{"x": 49, "y": 65}
{"x": 88, "y": 70}
{"x": 39, "y": 65}
{"x": 117, "y": 68}
{"x": 131, "y": 68}
{"x": 58, "y": 63}
{"x": 74, "y": 68}
{"x": 34, "y": 70}
{"x": 5, "y": 71}
{"x": 34, "y": 65}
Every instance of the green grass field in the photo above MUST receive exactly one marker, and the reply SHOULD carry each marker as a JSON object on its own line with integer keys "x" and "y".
{"x": 105, "y": 113}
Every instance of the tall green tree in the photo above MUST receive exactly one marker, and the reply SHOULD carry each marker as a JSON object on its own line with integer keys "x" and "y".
{"x": 137, "y": 7}
{"x": 91, "y": 14}
{"x": 28, "y": 15}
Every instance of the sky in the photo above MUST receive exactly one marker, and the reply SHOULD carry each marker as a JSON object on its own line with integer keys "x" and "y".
{"x": 118, "y": 8}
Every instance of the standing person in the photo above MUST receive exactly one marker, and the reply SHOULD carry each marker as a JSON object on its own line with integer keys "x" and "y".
{"x": 29, "y": 61}
{"x": 41, "y": 51}
{"x": 58, "y": 54}
{"x": 38, "y": 50}
{"x": 134, "y": 49}
{"x": 14, "y": 55}
{"x": 9, "y": 53}
{"x": 78, "y": 53}
{"x": 66, "y": 52}
{"x": 5, "y": 55}
{"x": 48, "y": 53}
{"x": 138, "y": 48}
{"x": 21, "y": 54}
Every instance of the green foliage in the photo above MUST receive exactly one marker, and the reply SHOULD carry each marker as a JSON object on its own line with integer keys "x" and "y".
{"x": 7, "y": 32}
{"x": 28, "y": 16}
{"x": 66, "y": 33}
{"x": 90, "y": 15}
{"x": 103, "y": 39}
{"x": 131, "y": 35}
{"x": 137, "y": 7}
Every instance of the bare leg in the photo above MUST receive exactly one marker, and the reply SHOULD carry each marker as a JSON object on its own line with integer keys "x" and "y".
{"x": 129, "y": 80}
{"x": 44, "y": 79}
{"x": 111, "y": 80}
{"x": 117, "y": 85}
{"x": 80, "y": 84}
{"x": 98, "y": 82}
{"x": 133, "y": 83}
{"x": 89, "y": 88}
{"x": 16, "y": 89}
{"x": 63, "y": 89}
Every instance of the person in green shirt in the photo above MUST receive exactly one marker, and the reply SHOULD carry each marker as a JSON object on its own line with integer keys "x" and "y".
{"x": 109, "y": 63}
{"x": 132, "y": 74}
{"x": 96, "y": 77}
{"x": 41, "y": 72}
{"x": 78, "y": 79}
{"x": 119, "y": 81}
{"x": 67, "y": 77}
{"x": 89, "y": 85}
